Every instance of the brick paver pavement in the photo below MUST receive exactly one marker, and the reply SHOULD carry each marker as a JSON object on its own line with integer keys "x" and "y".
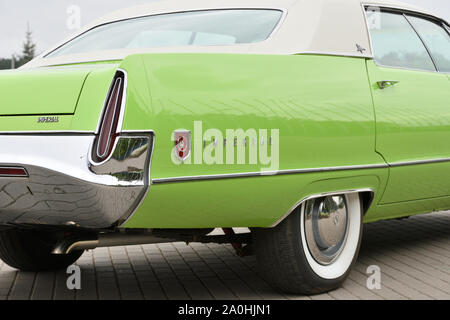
{"x": 413, "y": 254}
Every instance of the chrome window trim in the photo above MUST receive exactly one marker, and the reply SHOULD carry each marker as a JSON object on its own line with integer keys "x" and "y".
{"x": 278, "y": 26}
{"x": 409, "y": 69}
{"x": 437, "y": 21}
{"x": 446, "y": 27}
{"x": 402, "y": 11}
{"x": 320, "y": 195}
{"x": 334, "y": 54}
{"x": 364, "y": 12}
{"x": 399, "y": 9}
{"x": 284, "y": 12}
{"x": 423, "y": 42}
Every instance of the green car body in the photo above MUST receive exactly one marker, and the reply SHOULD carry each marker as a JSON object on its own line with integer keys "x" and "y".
{"x": 323, "y": 123}
{"x": 326, "y": 121}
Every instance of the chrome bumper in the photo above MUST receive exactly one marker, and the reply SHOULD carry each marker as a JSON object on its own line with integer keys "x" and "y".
{"x": 64, "y": 187}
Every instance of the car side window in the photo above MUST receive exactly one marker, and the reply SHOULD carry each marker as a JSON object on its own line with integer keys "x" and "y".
{"x": 396, "y": 44}
{"x": 437, "y": 40}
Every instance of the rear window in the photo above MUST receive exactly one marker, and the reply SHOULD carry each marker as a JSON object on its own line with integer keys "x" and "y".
{"x": 196, "y": 28}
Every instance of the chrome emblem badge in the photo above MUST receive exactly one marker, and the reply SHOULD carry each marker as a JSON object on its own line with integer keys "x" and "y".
{"x": 360, "y": 49}
{"x": 182, "y": 144}
{"x": 48, "y": 119}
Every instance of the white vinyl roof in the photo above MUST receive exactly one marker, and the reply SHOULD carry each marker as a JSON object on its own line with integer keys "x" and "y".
{"x": 333, "y": 27}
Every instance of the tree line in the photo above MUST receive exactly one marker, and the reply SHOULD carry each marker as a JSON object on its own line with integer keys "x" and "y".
{"x": 28, "y": 53}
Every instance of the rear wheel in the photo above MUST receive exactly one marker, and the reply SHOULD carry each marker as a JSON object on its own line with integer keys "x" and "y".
{"x": 30, "y": 250}
{"x": 312, "y": 251}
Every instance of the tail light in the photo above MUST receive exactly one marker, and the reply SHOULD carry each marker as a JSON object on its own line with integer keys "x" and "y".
{"x": 108, "y": 132}
{"x": 13, "y": 172}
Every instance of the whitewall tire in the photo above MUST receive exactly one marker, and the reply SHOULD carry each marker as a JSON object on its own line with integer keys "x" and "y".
{"x": 313, "y": 250}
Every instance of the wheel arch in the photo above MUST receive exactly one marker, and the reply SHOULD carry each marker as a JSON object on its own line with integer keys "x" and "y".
{"x": 366, "y": 195}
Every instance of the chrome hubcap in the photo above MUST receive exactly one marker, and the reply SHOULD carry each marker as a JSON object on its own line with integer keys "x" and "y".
{"x": 326, "y": 227}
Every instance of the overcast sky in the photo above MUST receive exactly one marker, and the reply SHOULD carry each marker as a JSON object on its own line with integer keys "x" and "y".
{"x": 50, "y": 20}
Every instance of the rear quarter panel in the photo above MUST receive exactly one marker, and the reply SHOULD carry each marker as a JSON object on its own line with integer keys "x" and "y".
{"x": 321, "y": 106}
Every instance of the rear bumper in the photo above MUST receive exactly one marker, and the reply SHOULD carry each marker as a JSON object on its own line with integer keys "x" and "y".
{"x": 64, "y": 187}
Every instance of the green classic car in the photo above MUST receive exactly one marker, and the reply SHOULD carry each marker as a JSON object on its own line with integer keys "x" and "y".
{"x": 297, "y": 119}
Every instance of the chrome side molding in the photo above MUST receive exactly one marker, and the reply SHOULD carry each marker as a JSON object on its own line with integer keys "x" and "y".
{"x": 296, "y": 171}
{"x": 266, "y": 173}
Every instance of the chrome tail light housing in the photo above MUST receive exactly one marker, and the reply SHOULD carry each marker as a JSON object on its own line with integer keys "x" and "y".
{"x": 110, "y": 121}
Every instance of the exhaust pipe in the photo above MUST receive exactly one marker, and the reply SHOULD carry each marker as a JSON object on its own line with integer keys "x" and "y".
{"x": 118, "y": 239}
{"x": 103, "y": 240}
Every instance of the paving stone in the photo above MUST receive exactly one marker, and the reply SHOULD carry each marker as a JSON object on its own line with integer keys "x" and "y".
{"x": 413, "y": 255}
{"x": 22, "y": 287}
{"x": 43, "y": 286}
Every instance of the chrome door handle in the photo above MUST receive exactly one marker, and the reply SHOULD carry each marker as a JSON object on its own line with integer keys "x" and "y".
{"x": 386, "y": 83}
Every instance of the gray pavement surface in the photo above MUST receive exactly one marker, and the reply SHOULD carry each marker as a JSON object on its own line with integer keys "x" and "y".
{"x": 413, "y": 255}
